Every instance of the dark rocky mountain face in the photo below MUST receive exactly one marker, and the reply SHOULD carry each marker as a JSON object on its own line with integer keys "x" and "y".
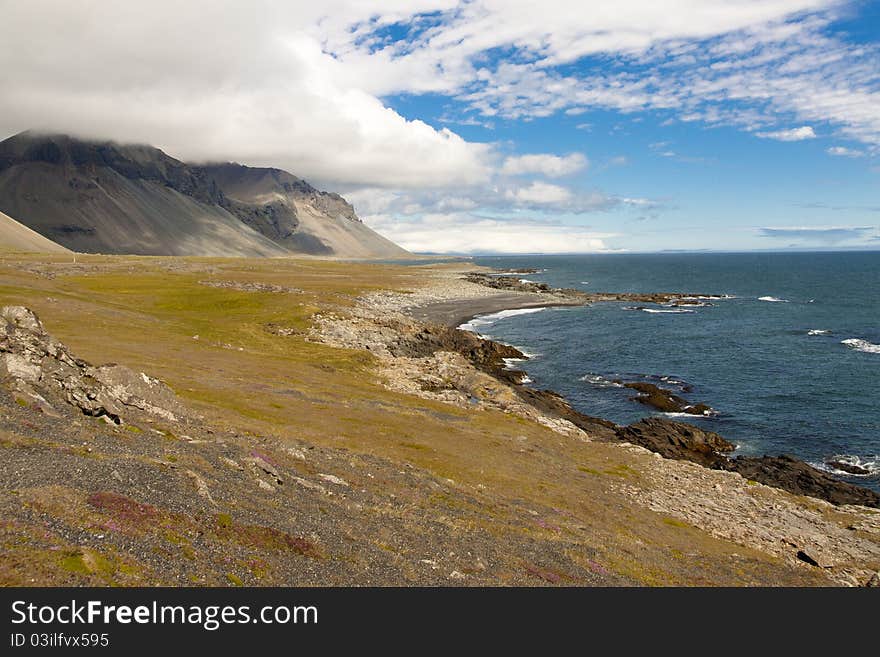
{"x": 135, "y": 162}
{"x": 104, "y": 197}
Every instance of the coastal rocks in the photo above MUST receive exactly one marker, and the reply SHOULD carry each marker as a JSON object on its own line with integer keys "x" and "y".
{"x": 508, "y": 283}
{"x": 795, "y": 476}
{"x": 33, "y": 363}
{"x": 676, "y": 440}
{"x": 850, "y": 465}
{"x": 665, "y": 400}
{"x": 685, "y": 442}
{"x": 555, "y": 405}
{"x": 518, "y": 285}
{"x": 523, "y": 270}
{"x": 484, "y": 354}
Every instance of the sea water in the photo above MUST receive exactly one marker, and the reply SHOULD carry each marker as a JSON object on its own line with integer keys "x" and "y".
{"x": 789, "y": 358}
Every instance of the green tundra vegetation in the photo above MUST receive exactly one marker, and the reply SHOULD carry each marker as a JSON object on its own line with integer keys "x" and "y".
{"x": 302, "y": 467}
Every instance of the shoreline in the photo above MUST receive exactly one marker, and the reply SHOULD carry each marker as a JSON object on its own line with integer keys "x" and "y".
{"x": 454, "y": 313}
{"x": 452, "y": 295}
{"x": 776, "y": 505}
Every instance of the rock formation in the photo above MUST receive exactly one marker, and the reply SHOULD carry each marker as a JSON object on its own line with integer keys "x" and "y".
{"x": 43, "y": 373}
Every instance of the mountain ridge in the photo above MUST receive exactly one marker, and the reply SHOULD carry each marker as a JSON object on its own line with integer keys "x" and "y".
{"x": 106, "y": 197}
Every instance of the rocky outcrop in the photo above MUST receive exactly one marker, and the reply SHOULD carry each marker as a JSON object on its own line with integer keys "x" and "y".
{"x": 485, "y": 354}
{"x": 685, "y": 442}
{"x": 43, "y": 373}
{"x": 664, "y": 400}
{"x": 517, "y": 285}
{"x": 513, "y": 284}
{"x": 676, "y": 440}
{"x": 795, "y": 476}
{"x": 491, "y": 357}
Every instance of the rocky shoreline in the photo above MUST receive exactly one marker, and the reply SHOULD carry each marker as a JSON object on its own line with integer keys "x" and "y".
{"x": 678, "y": 440}
{"x": 437, "y": 361}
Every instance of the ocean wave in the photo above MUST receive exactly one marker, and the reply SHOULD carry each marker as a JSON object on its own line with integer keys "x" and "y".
{"x": 585, "y": 282}
{"x": 818, "y": 332}
{"x": 709, "y": 297}
{"x": 600, "y": 381}
{"x": 491, "y": 318}
{"x": 692, "y": 303}
{"x": 862, "y": 345}
{"x": 851, "y": 465}
{"x": 773, "y": 299}
{"x": 692, "y": 416}
{"x": 673, "y": 311}
{"x": 683, "y": 386}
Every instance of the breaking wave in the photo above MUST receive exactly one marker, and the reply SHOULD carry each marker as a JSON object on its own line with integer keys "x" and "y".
{"x": 481, "y": 321}
{"x": 851, "y": 465}
{"x": 862, "y": 345}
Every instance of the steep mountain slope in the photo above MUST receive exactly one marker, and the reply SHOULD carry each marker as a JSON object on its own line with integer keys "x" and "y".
{"x": 107, "y": 198}
{"x": 16, "y": 237}
{"x": 293, "y": 213}
{"x": 103, "y": 197}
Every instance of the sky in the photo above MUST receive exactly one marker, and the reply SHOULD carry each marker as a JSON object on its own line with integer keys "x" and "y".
{"x": 492, "y": 126}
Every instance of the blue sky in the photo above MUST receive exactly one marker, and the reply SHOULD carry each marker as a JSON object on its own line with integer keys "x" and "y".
{"x": 712, "y": 185}
{"x": 494, "y": 125}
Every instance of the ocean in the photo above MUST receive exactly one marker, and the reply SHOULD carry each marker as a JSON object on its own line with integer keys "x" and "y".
{"x": 789, "y": 360}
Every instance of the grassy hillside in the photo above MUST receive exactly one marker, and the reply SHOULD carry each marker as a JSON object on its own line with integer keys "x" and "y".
{"x": 430, "y": 493}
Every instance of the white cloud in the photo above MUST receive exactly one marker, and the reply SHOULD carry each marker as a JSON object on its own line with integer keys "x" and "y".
{"x": 540, "y": 193}
{"x": 750, "y": 64}
{"x": 248, "y": 82}
{"x": 552, "y": 166}
{"x": 793, "y": 134}
{"x": 299, "y": 84}
{"x": 843, "y": 151}
{"x": 468, "y": 233}
{"x": 500, "y": 198}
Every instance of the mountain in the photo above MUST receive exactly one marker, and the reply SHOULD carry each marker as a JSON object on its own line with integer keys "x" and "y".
{"x": 16, "y": 237}
{"x": 294, "y": 214}
{"x": 105, "y": 197}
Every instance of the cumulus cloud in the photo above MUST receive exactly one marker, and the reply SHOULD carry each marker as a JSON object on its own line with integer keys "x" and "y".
{"x": 540, "y": 193}
{"x": 467, "y": 233}
{"x": 300, "y": 85}
{"x": 218, "y": 81}
{"x": 843, "y": 151}
{"x": 824, "y": 235}
{"x": 552, "y": 166}
{"x": 793, "y": 134}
